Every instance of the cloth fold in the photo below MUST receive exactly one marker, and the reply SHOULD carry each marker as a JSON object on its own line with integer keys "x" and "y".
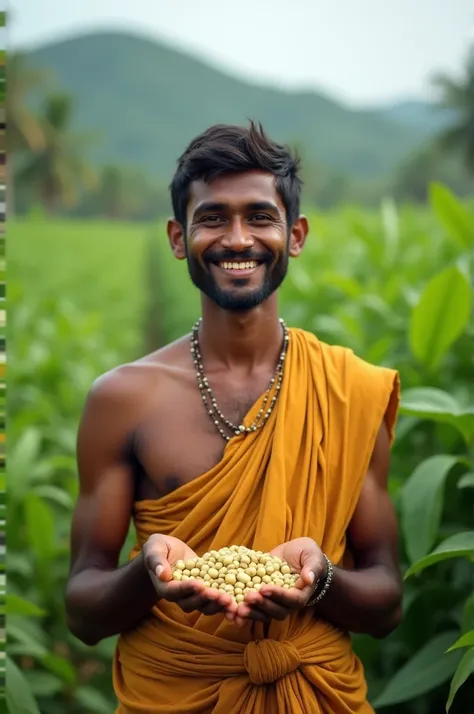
{"x": 301, "y": 475}
{"x": 269, "y": 660}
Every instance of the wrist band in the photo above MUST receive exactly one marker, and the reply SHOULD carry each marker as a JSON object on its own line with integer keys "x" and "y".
{"x": 316, "y": 597}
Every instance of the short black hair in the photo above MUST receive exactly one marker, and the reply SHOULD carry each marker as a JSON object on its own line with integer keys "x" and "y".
{"x": 229, "y": 149}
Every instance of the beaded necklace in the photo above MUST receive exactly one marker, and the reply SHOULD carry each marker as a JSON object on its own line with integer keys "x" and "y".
{"x": 209, "y": 400}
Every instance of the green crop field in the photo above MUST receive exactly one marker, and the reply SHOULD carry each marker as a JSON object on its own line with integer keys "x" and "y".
{"x": 95, "y": 268}
{"x": 395, "y": 285}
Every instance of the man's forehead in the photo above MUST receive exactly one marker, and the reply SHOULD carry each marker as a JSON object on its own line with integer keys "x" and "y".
{"x": 247, "y": 187}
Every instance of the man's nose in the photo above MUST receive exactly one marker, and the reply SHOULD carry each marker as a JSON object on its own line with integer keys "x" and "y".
{"x": 238, "y": 237}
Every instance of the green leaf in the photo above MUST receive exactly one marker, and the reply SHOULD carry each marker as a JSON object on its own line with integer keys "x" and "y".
{"x": 18, "y": 564}
{"x": 61, "y": 667}
{"x": 44, "y": 684}
{"x": 54, "y": 494}
{"x": 16, "y": 605}
{"x": 22, "y": 458}
{"x": 19, "y": 697}
{"x": 32, "y": 628}
{"x": 437, "y": 405}
{"x": 466, "y": 481}
{"x": 464, "y": 670}
{"x": 457, "y": 546}
{"x": 23, "y": 643}
{"x": 422, "y": 504}
{"x": 427, "y": 401}
{"x": 429, "y": 668}
{"x": 455, "y": 218}
{"x": 41, "y": 528}
{"x": 440, "y": 316}
{"x": 467, "y": 622}
{"x": 466, "y": 640}
{"x": 92, "y": 701}
{"x": 390, "y": 221}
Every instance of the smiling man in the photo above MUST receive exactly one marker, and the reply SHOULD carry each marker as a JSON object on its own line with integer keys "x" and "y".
{"x": 242, "y": 432}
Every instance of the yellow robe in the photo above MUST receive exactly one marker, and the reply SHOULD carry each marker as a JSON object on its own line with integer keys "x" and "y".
{"x": 301, "y": 475}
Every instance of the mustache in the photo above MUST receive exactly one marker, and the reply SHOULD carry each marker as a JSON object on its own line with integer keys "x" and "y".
{"x": 213, "y": 256}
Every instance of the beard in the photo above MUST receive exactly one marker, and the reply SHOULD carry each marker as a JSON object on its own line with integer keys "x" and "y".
{"x": 238, "y": 297}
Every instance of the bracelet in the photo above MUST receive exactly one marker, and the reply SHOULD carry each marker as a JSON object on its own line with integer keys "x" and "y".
{"x": 316, "y": 597}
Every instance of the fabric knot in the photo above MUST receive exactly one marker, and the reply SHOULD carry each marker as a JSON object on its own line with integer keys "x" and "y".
{"x": 269, "y": 660}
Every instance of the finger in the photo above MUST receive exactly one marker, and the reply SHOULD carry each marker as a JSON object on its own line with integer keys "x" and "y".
{"x": 310, "y": 573}
{"x": 293, "y": 598}
{"x": 157, "y": 563}
{"x": 272, "y": 611}
{"x": 202, "y": 603}
{"x": 195, "y": 602}
{"x": 250, "y": 609}
{"x": 161, "y": 570}
{"x": 177, "y": 590}
{"x": 240, "y": 621}
{"x": 262, "y": 608}
{"x": 217, "y": 603}
{"x": 212, "y": 608}
{"x": 313, "y": 567}
{"x": 246, "y": 613}
{"x": 208, "y": 599}
{"x": 223, "y": 598}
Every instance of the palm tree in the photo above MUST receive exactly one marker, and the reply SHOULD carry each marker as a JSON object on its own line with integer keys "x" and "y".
{"x": 458, "y": 96}
{"x": 58, "y": 171}
{"x": 24, "y": 132}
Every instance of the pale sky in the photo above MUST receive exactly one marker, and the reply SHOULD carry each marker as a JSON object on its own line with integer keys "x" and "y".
{"x": 360, "y": 51}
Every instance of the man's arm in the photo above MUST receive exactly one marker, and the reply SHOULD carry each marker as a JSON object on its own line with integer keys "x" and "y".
{"x": 368, "y": 599}
{"x": 102, "y": 600}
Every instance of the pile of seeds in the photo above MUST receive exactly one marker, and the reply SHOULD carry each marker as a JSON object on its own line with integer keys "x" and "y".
{"x": 237, "y": 570}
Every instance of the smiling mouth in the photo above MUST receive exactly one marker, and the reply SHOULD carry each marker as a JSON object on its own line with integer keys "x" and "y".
{"x": 240, "y": 265}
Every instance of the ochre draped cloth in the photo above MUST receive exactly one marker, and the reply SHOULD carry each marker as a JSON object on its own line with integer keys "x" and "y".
{"x": 301, "y": 475}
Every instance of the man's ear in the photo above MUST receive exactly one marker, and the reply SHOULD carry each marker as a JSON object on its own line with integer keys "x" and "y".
{"x": 177, "y": 238}
{"x": 298, "y": 236}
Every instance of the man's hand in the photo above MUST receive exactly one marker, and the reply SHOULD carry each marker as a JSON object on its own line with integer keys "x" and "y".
{"x": 160, "y": 554}
{"x": 272, "y": 602}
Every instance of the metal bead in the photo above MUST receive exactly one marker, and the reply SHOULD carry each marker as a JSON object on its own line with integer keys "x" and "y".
{"x": 206, "y": 391}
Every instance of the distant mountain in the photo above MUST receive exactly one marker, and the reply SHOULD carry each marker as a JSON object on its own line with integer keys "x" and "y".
{"x": 422, "y": 115}
{"x": 148, "y": 101}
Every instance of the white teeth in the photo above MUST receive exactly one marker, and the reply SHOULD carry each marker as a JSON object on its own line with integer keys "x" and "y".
{"x": 239, "y": 266}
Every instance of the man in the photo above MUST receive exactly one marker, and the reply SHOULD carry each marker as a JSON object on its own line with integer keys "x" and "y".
{"x": 243, "y": 432}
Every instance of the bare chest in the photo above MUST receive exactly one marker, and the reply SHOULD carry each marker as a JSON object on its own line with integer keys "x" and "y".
{"x": 179, "y": 440}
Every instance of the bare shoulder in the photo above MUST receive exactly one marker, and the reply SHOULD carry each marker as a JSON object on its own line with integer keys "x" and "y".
{"x": 138, "y": 383}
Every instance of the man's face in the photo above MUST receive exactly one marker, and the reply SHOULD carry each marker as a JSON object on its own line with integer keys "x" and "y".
{"x": 237, "y": 242}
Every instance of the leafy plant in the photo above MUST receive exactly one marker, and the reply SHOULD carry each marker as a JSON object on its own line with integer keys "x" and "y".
{"x": 440, "y": 316}
{"x": 394, "y": 285}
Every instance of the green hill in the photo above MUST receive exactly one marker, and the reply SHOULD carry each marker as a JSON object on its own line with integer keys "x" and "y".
{"x": 148, "y": 101}
{"x": 429, "y": 117}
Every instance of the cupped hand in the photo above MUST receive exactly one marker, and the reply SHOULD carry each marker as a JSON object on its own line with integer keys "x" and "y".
{"x": 273, "y": 602}
{"x": 160, "y": 554}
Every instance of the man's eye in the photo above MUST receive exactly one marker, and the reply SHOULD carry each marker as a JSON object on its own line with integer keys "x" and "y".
{"x": 212, "y": 219}
{"x": 260, "y": 217}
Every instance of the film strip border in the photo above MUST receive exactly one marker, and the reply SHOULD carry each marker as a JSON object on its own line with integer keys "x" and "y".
{"x": 3, "y": 360}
